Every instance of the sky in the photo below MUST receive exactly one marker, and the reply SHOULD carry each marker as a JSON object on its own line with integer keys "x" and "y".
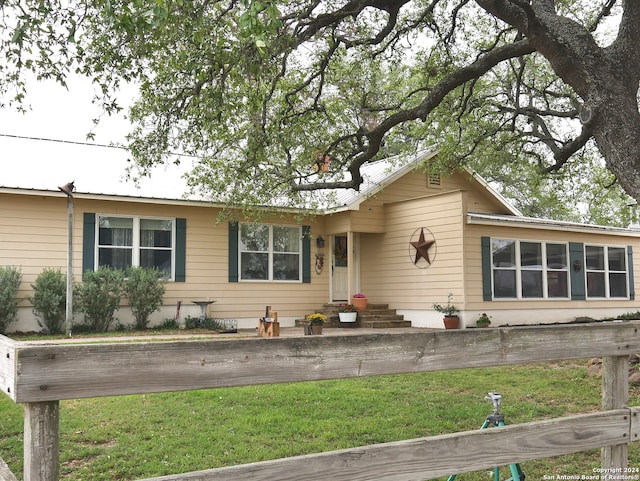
{"x": 65, "y": 115}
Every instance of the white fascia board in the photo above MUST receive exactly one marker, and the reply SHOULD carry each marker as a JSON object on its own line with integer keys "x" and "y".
{"x": 533, "y": 223}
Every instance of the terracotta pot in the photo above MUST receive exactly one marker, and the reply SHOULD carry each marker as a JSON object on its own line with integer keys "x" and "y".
{"x": 451, "y": 322}
{"x": 359, "y": 303}
{"x": 316, "y": 329}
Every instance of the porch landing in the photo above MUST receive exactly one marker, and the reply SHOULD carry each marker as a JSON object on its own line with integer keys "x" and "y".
{"x": 375, "y": 316}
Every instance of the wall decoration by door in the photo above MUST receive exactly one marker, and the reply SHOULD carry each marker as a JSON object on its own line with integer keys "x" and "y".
{"x": 422, "y": 248}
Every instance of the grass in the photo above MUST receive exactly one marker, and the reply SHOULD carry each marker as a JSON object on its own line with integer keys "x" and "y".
{"x": 134, "y": 437}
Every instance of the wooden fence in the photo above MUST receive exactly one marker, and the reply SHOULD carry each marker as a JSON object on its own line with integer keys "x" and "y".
{"x": 39, "y": 375}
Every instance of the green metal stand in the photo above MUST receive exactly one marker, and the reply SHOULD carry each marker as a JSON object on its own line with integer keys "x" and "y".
{"x": 497, "y": 419}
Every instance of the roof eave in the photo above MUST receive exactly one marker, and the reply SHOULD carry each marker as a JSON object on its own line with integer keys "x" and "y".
{"x": 533, "y": 223}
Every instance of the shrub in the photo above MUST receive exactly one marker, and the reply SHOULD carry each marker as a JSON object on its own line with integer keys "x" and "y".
{"x": 10, "y": 279}
{"x": 144, "y": 289}
{"x": 99, "y": 297}
{"x": 169, "y": 323}
{"x": 49, "y": 300}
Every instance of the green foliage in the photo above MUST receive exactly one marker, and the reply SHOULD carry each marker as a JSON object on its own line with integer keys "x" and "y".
{"x": 99, "y": 296}
{"x": 50, "y": 300}
{"x": 169, "y": 323}
{"x": 144, "y": 289}
{"x": 317, "y": 318}
{"x": 449, "y": 309}
{"x": 10, "y": 279}
{"x": 256, "y": 88}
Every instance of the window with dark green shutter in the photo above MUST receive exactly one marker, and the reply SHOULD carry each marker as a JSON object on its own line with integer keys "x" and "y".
{"x": 120, "y": 242}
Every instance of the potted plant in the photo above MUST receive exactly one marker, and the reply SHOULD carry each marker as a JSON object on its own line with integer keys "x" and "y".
{"x": 484, "y": 320}
{"x": 316, "y": 320}
{"x": 451, "y": 319}
{"x": 347, "y": 313}
{"x": 359, "y": 301}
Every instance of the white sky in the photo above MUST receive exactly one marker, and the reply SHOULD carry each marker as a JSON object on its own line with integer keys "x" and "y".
{"x": 66, "y": 115}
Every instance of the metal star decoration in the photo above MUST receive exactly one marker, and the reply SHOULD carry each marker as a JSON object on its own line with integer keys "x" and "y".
{"x": 422, "y": 248}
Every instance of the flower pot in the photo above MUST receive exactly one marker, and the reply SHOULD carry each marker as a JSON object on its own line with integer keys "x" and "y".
{"x": 359, "y": 303}
{"x": 316, "y": 329}
{"x": 451, "y": 322}
{"x": 348, "y": 317}
{"x": 482, "y": 324}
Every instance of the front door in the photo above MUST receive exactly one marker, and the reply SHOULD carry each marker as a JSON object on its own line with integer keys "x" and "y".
{"x": 339, "y": 269}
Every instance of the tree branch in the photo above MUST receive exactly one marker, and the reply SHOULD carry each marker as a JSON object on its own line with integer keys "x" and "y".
{"x": 422, "y": 111}
{"x": 625, "y": 47}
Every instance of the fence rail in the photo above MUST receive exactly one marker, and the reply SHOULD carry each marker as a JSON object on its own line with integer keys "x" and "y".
{"x": 41, "y": 374}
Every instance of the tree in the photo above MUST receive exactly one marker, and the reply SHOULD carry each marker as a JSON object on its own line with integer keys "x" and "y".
{"x": 261, "y": 91}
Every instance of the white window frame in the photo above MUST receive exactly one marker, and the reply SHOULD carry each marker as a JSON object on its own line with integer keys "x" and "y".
{"x": 270, "y": 253}
{"x": 606, "y": 271}
{"x": 135, "y": 242}
{"x": 519, "y": 269}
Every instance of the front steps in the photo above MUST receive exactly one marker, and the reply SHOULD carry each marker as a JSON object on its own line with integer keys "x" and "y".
{"x": 374, "y": 316}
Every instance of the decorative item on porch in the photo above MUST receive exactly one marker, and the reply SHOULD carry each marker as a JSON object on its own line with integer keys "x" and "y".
{"x": 451, "y": 319}
{"x": 484, "y": 320}
{"x": 268, "y": 326}
{"x": 316, "y": 320}
{"x": 347, "y": 313}
{"x": 359, "y": 301}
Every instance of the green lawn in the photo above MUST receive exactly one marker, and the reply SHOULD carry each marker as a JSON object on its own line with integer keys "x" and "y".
{"x": 134, "y": 437}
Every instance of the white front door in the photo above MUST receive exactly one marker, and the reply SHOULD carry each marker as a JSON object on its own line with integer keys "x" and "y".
{"x": 339, "y": 269}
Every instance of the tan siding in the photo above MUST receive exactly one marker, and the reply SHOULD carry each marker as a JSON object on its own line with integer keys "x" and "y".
{"x": 370, "y": 217}
{"x": 33, "y": 235}
{"x": 477, "y": 197}
{"x": 388, "y": 272}
{"x": 338, "y": 223}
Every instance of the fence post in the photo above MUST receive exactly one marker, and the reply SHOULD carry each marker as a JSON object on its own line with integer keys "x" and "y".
{"x": 41, "y": 441}
{"x": 615, "y": 395}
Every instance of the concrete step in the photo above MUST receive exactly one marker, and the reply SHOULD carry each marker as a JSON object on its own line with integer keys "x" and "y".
{"x": 384, "y": 323}
{"x": 374, "y": 316}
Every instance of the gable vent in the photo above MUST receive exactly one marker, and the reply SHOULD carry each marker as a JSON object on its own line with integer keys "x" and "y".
{"x": 434, "y": 180}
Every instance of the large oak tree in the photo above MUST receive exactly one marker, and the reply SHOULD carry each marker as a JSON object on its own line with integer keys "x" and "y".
{"x": 262, "y": 91}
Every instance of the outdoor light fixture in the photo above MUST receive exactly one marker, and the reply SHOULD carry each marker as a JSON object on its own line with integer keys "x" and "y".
{"x": 67, "y": 188}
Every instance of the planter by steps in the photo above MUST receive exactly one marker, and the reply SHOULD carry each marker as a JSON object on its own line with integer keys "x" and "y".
{"x": 348, "y": 317}
{"x": 359, "y": 303}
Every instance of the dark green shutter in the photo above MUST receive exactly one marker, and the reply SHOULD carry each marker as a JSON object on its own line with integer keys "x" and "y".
{"x": 233, "y": 252}
{"x": 576, "y": 271}
{"x": 306, "y": 254}
{"x": 632, "y": 290}
{"x": 181, "y": 250}
{"x": 487, "y": 292}
{"x": 88, "y": 241}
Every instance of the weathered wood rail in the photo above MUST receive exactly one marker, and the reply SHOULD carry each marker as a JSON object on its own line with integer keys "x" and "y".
{"x": 39, "y": 375}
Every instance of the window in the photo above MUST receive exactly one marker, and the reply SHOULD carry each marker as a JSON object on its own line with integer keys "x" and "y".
{"x": 529, "y": 270}
{"x": 270, "y": 252}
{"x": 134, "y": 241}
{"x": 606, "y": 271}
